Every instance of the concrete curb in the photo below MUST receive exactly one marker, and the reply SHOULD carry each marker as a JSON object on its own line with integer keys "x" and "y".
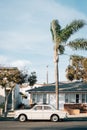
{"x": 77, "y": 116}
{"x": 6, "y": 119}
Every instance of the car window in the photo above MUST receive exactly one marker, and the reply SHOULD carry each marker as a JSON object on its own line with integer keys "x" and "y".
{"x": 47, "y": 108}
{"x": 38, "y": 108}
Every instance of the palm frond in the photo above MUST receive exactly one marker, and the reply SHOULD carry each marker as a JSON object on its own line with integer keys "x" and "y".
{"x": 78, "y": 44}
{"x": 61, "y": 49}
{"x": 71, "y": 29}
{"x": 55, "y": 29}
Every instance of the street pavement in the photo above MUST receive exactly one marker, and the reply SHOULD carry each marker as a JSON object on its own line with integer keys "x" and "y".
{"x": 43, "y": 125}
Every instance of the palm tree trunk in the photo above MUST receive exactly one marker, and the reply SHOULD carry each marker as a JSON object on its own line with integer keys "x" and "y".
{"x": 56, "y": 85}
{"x": 56, "y": 59}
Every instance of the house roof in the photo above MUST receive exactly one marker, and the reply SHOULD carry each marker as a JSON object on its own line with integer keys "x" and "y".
{"x": 63, "y": 87}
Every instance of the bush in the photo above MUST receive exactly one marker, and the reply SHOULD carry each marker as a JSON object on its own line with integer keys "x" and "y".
{"x": 21, "y": 106}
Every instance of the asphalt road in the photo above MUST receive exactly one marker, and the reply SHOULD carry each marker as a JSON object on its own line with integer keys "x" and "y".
{"x": 43, "y": 125}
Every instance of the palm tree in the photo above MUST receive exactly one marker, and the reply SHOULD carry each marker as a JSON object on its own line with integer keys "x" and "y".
{"x": 60, "y": 37}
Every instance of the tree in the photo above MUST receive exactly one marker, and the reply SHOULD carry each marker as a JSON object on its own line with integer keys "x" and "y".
{"x": 9, "y": 77}
{"x": 60, "y": 37}
{"x": 77, "y": 70}
{"x": 32, "y": 79}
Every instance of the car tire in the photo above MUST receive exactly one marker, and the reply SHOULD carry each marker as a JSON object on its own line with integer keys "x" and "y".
{"x": 54, "y": 118}
{"x": 22, "y": 118}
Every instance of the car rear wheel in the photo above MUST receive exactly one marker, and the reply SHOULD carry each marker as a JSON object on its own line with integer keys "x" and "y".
{"x": 22, "y": 118}
{"x": 54, "y": 118}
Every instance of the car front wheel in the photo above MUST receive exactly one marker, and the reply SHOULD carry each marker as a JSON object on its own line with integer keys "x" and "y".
{"x": 54, "y": 118}
{"x": 22, "y": 118}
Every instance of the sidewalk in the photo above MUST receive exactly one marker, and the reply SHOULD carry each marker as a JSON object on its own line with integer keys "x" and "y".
{"x": 10, "y": 117}
{"x": 79, "y": 115}
{"x": 6, "y": 119}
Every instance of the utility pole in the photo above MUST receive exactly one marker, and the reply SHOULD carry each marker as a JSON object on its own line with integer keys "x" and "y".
{"x": 47, "y": 74}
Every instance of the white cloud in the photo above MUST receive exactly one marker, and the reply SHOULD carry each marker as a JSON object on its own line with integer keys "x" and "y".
{"x": 5, "y": 61}
{"x": 20, "y": 63}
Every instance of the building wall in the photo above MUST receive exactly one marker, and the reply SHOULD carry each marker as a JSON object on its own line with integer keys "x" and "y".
{"x": 82, "y": 107}
{"x": 64, "y": 98}
{"x": 2, "y": 92}
{"x": 61, "y": 100}
{"x": 23, "y": 90}
{"x": 2, "y": 95}
{"x": 49, "y": 98}
{"x": 17, "y": 96}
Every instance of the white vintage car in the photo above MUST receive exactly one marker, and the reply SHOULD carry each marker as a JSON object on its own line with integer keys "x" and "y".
{"x": 40, "y": 112}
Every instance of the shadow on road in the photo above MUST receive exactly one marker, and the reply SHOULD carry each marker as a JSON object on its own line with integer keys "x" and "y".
{"x": 66, "y": 120}
{"x": 76, "y": 119}
{"x": 6, "y": 119}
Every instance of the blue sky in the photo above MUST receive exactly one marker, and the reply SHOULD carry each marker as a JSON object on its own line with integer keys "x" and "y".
{"x": 25, "y": 38}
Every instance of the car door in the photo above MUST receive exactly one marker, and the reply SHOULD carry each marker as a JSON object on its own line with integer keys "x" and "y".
{"x": 47, "y": 112}
{"x": 37, "y": 113}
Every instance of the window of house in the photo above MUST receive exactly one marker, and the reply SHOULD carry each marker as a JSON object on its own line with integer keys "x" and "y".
{"x": 39, "y": 98}
{"x": 66, "y": 98}
{"x": 83, "y": 98}
{"x": 10, "y": 98}
{"x": 34, "y": 98}
{"x": 44, "y": 98}
{"x": 77, "y": 98}
{"x": 70, "y": 98}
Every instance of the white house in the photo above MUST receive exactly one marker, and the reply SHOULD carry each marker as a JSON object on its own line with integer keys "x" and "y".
{"x": 2, "y": 95}
{"x": 14, "y": 98}
{"x": 71, "y": 95}
{"x": 23, "y": 91}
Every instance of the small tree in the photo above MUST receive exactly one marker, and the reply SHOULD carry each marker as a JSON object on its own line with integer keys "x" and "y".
{"x": 32, "y": 79}
{"x": 9, "y": 77}
{"x": 77, "y": 70}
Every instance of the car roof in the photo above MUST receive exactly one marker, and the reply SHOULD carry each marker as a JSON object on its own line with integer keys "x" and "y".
{"x": 42, "y": 105}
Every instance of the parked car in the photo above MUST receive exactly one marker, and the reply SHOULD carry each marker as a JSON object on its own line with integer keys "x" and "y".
{"x": 40, "y": 112}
